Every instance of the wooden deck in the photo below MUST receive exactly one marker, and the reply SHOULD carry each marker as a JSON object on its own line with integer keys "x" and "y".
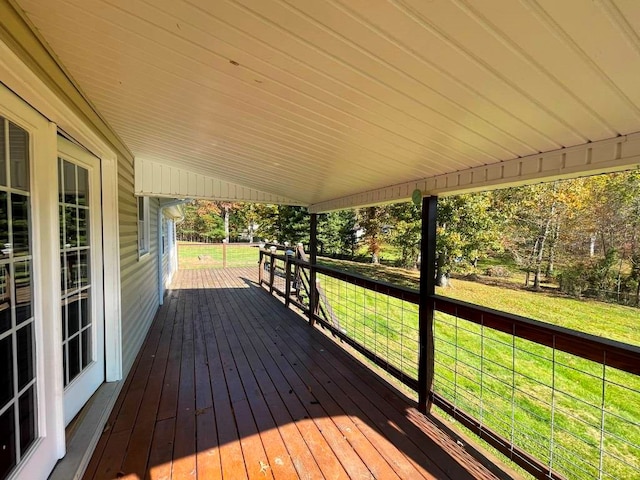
{"x": 230, "y": 384}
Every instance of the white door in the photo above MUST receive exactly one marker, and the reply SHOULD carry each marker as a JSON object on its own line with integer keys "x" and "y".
{"x": 31, "y": 430}
{"x": 81, "y": 295}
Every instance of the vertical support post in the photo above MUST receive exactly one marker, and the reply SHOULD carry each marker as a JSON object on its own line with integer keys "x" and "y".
{"x": 427, "y": 290}
{"x": 272, "y": 271}
{"x": 287, "y": 278}
{"x": 313, "y": 248}
{"x": 261, "y": 268}
{"x": 224, "y": 254}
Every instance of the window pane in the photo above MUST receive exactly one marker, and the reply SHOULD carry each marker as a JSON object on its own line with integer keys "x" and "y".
{"x": 3, "y": 155}
{"x": 24, "y": 339}
{"x": 5, "y": 299}
{"x": 27, "y": 406}
{"x": 84, "y": 268}
{"x": 86, "y": 347}
{"x": 23, "y": 291}
{"x": 65, "y": 352}
{"x": 83, "y": 227}
{"x": 7, "y": 442}
{"x": 74, "y": 357}
{"x": 6, "y": 371}
{"x": 19, "y": 156}
{"x": 69, "y": 183}
{"x": 64, "y": 321}
{"x": 5, "y": 246}
{"x": 69, "y": 269}
{"x": 60, "y": 181}
{"x": 61, "y": 221}
{"x": 83, "y": 186}
{"x": 20, "y": 224}
{"x": 71, "y": 227}
{"x": 84, "y": 308}
{"x": 73, "y": 312}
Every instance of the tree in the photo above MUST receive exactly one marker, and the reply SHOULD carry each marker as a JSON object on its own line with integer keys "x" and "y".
{"x": 406, "y": 221}
{"x": 336, "y": 232}
{"x": 468, "y": 228}
{"x": 202, "y": 222}
{"x": 373, "y": 220}
{"x": 284, "y": 223}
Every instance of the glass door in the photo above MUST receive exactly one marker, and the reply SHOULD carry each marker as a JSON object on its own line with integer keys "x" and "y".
{"x": 81, "y": 276}
{"x": 18, "y": 382}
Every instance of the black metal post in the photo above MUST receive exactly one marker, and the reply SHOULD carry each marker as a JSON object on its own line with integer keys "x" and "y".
{"x": 287, "y": 276}
{"x": 427, "y": 290}
{"x": 261, "y": 268}
{"x": 313, "y": 248}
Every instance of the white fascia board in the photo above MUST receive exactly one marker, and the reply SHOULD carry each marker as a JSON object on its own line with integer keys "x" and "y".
{"x": 610, "y": 155}
{"x": 155, "y": 179}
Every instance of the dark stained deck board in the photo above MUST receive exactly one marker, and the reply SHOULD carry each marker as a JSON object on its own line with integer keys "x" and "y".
{"x": 361, "y": 392}
{"x": 356, "y": 454}
{"x": 362, "y": 441}
{"x": 231, "y": 384}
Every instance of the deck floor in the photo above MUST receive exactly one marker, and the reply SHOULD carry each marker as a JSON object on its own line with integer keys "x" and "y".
{"x": 230, "y": 384}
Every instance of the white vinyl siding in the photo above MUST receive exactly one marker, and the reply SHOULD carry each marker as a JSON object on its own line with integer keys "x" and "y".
{"x": 138, "y": 276}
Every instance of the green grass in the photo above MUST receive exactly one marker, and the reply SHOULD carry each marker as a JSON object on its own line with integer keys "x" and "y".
{"x": 554, "y": 399}
{"x": 210, "y": 255}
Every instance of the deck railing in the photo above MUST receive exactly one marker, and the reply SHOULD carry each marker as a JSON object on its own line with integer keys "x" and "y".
{"x": 560, "y": 403}
{"x": 216, "y": 255}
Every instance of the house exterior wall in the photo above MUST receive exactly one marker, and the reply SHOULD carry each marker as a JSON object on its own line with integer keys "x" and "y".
{"x": 32, "y": 73}
{"x": 138, "y": 276}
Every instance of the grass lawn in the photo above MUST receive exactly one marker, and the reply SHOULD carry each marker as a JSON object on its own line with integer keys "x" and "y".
{"x": 552, "y": 404}
{"x": 210, "y": 255}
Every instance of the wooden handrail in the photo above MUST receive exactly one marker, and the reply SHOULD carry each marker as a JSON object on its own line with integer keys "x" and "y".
{"x": 604, "y": 351}
{"x": 612, "y": 353}
{"x": 591, "y": 347}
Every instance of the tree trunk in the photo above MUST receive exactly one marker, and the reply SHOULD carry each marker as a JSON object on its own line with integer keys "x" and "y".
{"x": 552, "y": 250}
{"x": 226, "y": 224}
{"x": 442, "y": 280}
{"x": 530, "y": 263}
{"x": 539, "y": 257}
{"x": 592, "y": 245}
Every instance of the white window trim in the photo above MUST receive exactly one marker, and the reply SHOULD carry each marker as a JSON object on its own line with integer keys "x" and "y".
{"x": 144, "y": 227}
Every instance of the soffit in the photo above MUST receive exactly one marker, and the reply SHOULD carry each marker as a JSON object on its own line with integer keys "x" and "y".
{"x": 318, "y": 100}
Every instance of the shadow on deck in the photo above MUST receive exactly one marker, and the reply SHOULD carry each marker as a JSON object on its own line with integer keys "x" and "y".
{"x": 229, "y": 384}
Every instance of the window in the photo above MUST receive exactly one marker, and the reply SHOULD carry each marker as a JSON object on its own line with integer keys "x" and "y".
{"x": 165, "y": 235}
{"x": 143, "y": 226}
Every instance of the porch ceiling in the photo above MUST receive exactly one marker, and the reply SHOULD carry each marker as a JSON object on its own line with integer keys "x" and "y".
{"x": 320, "y": 100}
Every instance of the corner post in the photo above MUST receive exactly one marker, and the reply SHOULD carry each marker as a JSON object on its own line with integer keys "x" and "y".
{"x": 224, "y": 253}
{"x": 313, "y": 248}
{"x": 426, "y": 360}
{"x": 261, "y": 268}
{"x": 288, "y": 255}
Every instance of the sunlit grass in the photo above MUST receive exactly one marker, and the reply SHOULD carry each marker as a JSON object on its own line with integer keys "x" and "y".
{"x": 549, "y": 403}
{"x": 203, "y": 255}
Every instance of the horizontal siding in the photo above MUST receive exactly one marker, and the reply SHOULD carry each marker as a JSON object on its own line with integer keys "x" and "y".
{"x": 138, "y": 276}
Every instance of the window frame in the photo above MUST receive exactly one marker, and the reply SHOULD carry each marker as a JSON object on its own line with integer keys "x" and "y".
{"x": 144, "y": 226}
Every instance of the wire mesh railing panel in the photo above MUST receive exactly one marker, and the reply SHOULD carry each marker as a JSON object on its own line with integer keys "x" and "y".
{"x": 216, "y": 255}
{"x": 384, "y": 325}
{"x": 578, "y": 417}
{"x": 241, "y": 255}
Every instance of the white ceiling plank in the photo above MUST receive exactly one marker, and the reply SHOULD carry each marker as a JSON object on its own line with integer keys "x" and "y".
{"x": 609, "y": 155}
{"x": 341, "y": 98}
